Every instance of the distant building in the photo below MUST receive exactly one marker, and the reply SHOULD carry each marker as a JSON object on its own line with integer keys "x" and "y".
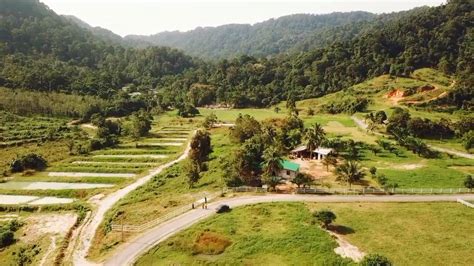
{"x": 322, "y": 152}
{"x": 289, "y": 169}
{"x": 318, "y": 154}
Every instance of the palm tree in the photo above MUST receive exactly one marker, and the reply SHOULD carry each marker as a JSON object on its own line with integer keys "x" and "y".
{"x": 272, "y": 161}
{"x": 329, "y": 160}
{"x": 349, "y": 172}
{"x": 314, "y": 137}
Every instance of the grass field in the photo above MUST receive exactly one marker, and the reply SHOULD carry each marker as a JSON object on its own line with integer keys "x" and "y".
{"x": 283, "y": 234}
{"x": 270, "y": 234}
{"x": 410, "y": 171}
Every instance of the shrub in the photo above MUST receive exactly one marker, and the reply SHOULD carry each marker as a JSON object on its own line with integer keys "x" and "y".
{"x": 6, "y": 238}
{"x": 375, "y": 260}
{"x": 29, "y": 161}
{"x": 324, "y": 217}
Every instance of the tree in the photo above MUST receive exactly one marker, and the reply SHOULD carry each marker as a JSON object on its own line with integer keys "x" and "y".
{"x": 272, "y": 181}
{"x": 352, "y": 149}
{"x": 375, "y": 260}
{"x": 310, "y": 111}
{"x": 468, "y": 140}
{"x": 200, "y": 148}
{"x": 191, "y": 170}
{"x": 314, "y": 137}
{"x": 380, "y": 117}
{"x": 272, "y": 161}
{"x": 70, "y": 146}
{"x": 209, "y": 121}
{"x": 29, "y": 161}
{"x": 324, "y": 217}
{"x": 329, "y": 160}
{"x": 245, "y": 127}
{"x": 349, "y": 172}
{"x": 469, "y": 182}
{"x": 187, "y": 110}
{"x": 140, "y": 124}
{"x": 302, "y": 179}
{"x": 373, "y": 171}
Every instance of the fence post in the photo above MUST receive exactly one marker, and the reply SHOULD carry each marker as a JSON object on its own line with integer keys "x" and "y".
{"x": 121, "y": 221}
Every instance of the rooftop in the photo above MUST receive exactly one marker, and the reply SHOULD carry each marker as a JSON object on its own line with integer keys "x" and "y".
{"x": 288, "y": 165}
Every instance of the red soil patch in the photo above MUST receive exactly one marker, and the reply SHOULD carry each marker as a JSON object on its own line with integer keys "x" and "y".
{"x": 210, "y": 243}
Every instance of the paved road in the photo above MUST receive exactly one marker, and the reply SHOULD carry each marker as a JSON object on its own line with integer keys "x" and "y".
{"x": 88, "y": 230}
{"x": 128, "y": 253}
{"x": 364, "y": 126}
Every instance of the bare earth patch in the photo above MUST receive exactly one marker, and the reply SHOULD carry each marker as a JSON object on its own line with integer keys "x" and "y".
{"x": 41, "y": 224}
{"x": 313, "y": 168}
{"x": 407, "y": 166}
{"x": 346, "y": 249}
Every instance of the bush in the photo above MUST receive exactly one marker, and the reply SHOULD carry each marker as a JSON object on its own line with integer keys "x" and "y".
{"x": 324, "y": 217}
{"x": 375, "y": 260}
{"x": 30, "y": 161}
{"x": 6, "y": 238}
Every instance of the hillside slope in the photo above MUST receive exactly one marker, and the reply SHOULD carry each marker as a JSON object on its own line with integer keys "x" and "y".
{"x": 41, "y": 50}
{"x": 271, "y": 37}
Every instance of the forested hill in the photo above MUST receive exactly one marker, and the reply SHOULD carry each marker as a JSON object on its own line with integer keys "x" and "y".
{"x": 43, "y": 51}
{"x": 40, "y": 50}
{"x": 275, "y": 36}
{"x": 438, "y": 37}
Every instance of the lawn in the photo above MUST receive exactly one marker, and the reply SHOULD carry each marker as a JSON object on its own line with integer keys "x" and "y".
{"x": 411, "y": 171}
{"x": 283, "y": 234}
{"x": 230, "y": 115}
{"x": 264, "y": 234}
{"x": 409, "y": 233}
{"x": 164, "y": 193}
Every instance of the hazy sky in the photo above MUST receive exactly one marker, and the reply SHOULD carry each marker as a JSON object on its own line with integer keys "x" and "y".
{"x": 152, "y": 16}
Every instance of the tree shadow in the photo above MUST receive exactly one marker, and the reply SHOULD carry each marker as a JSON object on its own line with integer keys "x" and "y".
{"x": 341, "y": 229}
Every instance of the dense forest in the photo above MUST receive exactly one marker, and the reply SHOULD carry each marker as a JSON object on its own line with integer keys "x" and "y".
{"x": 286, "y": 34}
{"x": 46, "y": 52}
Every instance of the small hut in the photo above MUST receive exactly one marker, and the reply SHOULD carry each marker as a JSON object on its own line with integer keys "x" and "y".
{"x": 300, "y": 152}
{"x": 322, "y": 152}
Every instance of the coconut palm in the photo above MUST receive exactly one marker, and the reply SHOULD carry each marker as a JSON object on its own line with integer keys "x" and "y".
{"x": 329, "y": 160}
{"x": 349, "y": 172}
{"x": 314, "y": 137}
{"x": 272, "y": 161}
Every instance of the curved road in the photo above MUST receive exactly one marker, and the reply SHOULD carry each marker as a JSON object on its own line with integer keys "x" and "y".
{"x": 128, "y": 253}
{"x": 89, "y": 229}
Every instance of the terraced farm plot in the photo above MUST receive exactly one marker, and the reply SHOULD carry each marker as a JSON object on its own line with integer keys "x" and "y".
{"x": 32, "y": 200}
{"x": 50, "y": 185}
{"x": 102, "y": 171}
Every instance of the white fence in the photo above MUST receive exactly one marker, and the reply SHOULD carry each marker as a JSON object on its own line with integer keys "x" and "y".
{"x": 140, "y": 228}
{"x": 352, "y": 191}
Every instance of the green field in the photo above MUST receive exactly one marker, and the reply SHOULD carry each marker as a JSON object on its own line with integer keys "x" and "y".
{"x": 283, "y": 234}
{"x": 270, "y": 234}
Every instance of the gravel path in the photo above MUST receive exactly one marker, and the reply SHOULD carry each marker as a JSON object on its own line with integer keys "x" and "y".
{"x": 128, "y": 253}
{"x": 91, "y": 225}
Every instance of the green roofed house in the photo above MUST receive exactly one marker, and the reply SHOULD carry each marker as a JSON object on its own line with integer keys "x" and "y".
{"x": 289, "y": 169}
